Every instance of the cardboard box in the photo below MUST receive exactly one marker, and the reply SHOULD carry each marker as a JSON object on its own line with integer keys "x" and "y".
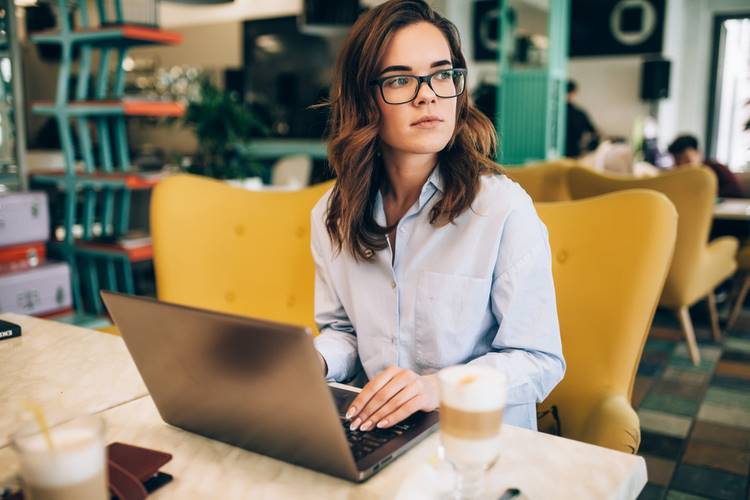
{"x": 24, "y": 218}
{"x": 41, "y": 290}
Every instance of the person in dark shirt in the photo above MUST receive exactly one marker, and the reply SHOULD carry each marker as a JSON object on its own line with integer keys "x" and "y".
{"x": 580, "y": 132}
{"x": 684, "y": 150}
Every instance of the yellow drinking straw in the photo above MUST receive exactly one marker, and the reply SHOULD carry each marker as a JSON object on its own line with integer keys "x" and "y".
{"x": 36, "y": 409}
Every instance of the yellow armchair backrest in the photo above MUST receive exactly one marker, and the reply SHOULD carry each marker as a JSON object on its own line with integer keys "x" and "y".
{"x": 693, "y": 191}
{"x": 231, "y": 250}
{"x": 546, "y": 181}
{"x": 610, "y": 256}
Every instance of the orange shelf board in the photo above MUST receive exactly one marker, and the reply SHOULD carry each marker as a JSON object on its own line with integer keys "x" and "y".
{"x": 130, "y": 32}
{"x": 132, "y": 180}
{"x": 127, "y": 106}
{"x": 155, "y": 108}
{"x": 151, "y": 34}
{"x": 135, "y": 254}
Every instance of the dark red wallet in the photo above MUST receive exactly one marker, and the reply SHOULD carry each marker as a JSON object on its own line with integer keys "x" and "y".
{"x": 134, "y": 471}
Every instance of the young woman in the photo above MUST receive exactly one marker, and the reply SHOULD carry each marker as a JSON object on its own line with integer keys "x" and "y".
{"x": 426, "y": 255}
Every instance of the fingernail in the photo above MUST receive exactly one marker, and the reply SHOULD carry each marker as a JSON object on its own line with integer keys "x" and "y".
{"x": 366, "y": 426}
{"x": 382, "y": 423}
{"x": 350, "y": 412}
{"x": 354, "y": 425}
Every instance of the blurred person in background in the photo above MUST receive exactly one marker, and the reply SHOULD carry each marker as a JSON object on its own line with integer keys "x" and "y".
{"x": 684, "y": 150}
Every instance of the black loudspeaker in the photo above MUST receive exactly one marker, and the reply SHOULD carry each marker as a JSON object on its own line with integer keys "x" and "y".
{"x": 655, "y": 79}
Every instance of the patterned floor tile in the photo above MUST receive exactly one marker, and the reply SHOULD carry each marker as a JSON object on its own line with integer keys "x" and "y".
{"x": 659, "y": 345}
{"x": 664, "y": 423}
{"x": 640, "y": 388}
{"x": 681, "y": 388}
{"x": 709, "y": 353}
{"x": 706, "y": 365}
{"x": 652, "y": 492}
{"x": 730, "y": 383}
{"x": 717, "y": 457}
{"x": 728, "y": 415}
{"x": 736, "y": 356}
{"x": 660, "y": 445}
{"x": 649, "y": 369}
{"x": 733, "y": 369}
{"x": 721, "y": 435}
{"x": 728, "y": 397}
{"x": 671, "y": 404}
{"x": 736, "y": 345}
{"x": 659, "y": 470}
{"x": 688, "y": 376}
{"x": 709, "y": 482}
{"x": 679, "y": 495}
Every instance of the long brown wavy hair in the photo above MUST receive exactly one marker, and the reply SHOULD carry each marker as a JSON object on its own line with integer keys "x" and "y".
{"x": 354, "y": 124}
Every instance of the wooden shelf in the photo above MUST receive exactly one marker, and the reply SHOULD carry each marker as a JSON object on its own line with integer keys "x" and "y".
{"x": 112, "y": 35}
{"x": 127, "y": 107}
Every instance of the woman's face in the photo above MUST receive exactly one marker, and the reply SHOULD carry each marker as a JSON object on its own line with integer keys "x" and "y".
{"x": 418, "y": 49}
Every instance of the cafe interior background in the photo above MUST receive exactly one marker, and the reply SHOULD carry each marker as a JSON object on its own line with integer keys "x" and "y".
{"x": 223, "y": 89}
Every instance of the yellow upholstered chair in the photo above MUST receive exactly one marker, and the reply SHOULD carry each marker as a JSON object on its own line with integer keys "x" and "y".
{"x": 610, "y": 256}
{"x": 543, "y": 181}
{"x": 698, "y": 266}
{"x": 231, "y": 250}
{"x": 743, "y": 263}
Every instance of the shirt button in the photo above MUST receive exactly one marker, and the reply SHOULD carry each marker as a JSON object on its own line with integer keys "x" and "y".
{"x": 401, "y": 230}
{"x": 393, "y": 285}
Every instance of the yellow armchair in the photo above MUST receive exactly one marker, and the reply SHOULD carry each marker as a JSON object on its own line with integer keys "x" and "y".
{"x": 233, "y": 250}
{"x": 546, "y": 181}
{"x": 698, "y": 266}
{"x": 610, "y": 256}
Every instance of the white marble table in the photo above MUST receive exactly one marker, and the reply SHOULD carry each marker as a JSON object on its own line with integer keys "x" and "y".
{"x": 68, "y": 370}
{"x": 733, "y": 209}
{"x": 542, "y": 466}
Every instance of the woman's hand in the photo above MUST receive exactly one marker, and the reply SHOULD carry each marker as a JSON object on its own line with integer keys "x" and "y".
{"x": 391, "y": 396}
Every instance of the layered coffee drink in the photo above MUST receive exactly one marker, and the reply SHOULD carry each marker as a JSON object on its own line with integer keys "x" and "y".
{"x": 67, "y": 464}
{"x": 472, "y": 399}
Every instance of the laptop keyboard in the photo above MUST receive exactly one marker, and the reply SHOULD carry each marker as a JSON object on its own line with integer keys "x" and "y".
{"x": 364, "y": 443}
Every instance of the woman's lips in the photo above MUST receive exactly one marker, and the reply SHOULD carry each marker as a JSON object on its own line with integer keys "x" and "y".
{"x": 429, "y": 123}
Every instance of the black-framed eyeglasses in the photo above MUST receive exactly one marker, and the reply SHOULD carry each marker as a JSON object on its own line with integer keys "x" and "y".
{"x": 400, "y": 89}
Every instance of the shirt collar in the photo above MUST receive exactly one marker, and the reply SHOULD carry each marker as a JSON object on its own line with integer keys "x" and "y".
{"x": 434, "y": 183}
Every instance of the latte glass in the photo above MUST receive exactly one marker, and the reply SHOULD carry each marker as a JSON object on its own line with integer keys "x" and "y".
{"x": 67, "y": 463}
{"x": 472, "y": 399}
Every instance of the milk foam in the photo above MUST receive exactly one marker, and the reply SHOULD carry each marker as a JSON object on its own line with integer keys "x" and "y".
{"x": 472, "y": 388}
{"x": 77, "y": 456}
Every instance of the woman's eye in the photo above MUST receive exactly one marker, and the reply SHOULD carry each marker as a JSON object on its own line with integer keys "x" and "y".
{"x": 444, "y": 75}
{"x": 397, "y": 82}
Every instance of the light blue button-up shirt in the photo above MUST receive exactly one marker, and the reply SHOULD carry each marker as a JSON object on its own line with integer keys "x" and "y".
{"x": 478, "y": 290}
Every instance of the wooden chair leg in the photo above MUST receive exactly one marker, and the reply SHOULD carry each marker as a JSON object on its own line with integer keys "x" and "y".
{"x": 687, "y": 329}
{"x": 737, "y": 307}
{"x": 714, "y": 315}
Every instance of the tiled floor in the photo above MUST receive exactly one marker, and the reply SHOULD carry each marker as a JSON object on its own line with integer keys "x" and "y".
{"x": 695, "y": 420}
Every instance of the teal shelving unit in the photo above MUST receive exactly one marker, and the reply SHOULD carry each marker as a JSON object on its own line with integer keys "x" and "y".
{"x": 97, "y": 197}
{"x": 531, "y": 118}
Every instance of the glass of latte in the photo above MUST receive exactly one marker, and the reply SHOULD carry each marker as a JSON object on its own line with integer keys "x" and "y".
{"x": 472, "y": 399}
{"x": 65, "y": 462}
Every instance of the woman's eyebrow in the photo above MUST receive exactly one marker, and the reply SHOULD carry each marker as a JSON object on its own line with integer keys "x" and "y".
{"x": 409, "y": 68}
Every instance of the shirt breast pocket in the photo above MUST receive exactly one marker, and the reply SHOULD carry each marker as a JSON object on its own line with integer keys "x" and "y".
{"x": 449, "y": 310}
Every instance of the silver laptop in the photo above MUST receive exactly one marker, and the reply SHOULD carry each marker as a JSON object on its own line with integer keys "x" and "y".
{"x": 254, "y": 384}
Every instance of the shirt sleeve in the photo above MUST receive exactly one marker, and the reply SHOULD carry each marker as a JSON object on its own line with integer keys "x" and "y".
{"x": 527, "y": 346}
{"x": 337, "y": 342}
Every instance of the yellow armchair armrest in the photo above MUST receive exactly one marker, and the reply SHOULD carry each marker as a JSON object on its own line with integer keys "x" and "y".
{"x": 614, "y": 424}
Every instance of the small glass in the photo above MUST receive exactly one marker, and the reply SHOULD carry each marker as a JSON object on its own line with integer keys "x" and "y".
{"x": 67, "y": 464}
{"x": 472, "y": 400}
